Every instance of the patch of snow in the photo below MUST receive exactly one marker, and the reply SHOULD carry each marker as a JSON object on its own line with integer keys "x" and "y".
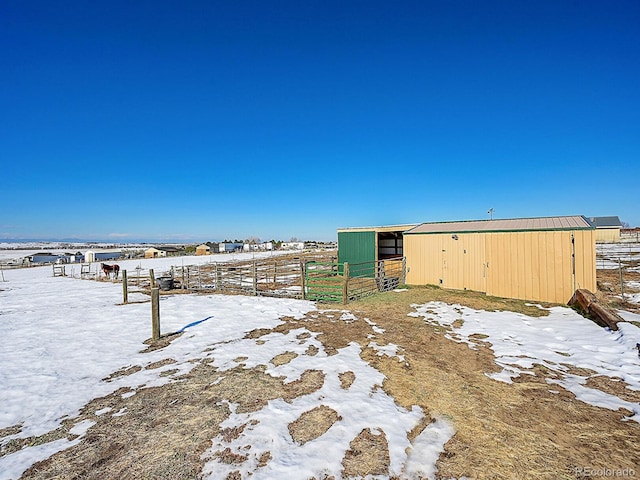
{"x": 81, "y": 428}
{"x": 390, "y": 350}
{"x": 363, "y": 405}
{"x": 374, "y": 327}
{"x": 426, "y": 449}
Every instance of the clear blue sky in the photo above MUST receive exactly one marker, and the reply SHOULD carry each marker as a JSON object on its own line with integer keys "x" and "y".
{"x": 158, "y": 120}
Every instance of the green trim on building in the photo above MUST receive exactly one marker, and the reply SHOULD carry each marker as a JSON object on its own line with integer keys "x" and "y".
{"x": 356, "y": 247}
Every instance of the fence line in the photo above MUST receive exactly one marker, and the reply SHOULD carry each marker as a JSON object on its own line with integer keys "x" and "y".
{"x": 344, "y": 282}
{"x": 314, "y": 277}
{"x": 318, "y": 277}
{"x": 275, "y": 277}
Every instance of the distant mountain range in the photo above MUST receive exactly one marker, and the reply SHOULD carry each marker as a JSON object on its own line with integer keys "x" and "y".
{"x": 79, "y": 241}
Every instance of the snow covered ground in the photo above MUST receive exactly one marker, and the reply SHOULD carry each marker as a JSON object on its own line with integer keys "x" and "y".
{"x": 62, "y": 336}
{"x": 632, "y": 297}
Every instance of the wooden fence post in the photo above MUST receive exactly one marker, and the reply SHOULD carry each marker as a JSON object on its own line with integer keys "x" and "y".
{"x": 255, "y": 277}
{"x": 218, "y": 277}
{"x": 345, "y": 283}
{"x": 621, "y": 281}
{"x": 155, "y": 313}
{"x": 303, "y": 279}
{"x": 152, "y": 278}
{"x": 125, "y": 287}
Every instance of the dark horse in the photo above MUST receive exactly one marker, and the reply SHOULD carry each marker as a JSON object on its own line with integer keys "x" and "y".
{"x": 107, "y": 269}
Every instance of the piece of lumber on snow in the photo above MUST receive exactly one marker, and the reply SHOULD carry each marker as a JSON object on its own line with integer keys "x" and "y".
{"x": 584, "y": 298}
{"x": 588, "y": 304}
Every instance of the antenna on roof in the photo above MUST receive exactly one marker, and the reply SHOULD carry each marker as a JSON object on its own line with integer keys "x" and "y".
{"x": 490, "y": 212}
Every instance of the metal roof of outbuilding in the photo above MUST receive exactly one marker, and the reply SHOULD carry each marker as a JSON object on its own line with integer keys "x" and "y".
{"x": 600, "y": 222}
{"x": 575, "y": 222}
{"x": 386, "y": 228}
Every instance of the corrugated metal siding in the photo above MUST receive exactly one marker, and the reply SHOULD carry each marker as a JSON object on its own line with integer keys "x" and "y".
{"x": 442, "y": 260}
{"x": 532, "y": 265}
{"x": 356, "y": 247}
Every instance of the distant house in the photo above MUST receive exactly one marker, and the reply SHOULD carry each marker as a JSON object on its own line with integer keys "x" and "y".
{"x": 154, "y": 253}
{"x": 44, "y": 257}
{"x": 258, "y": 247}
{"x": 58, "y": 258}
{"x": 93, "y": 256}
{"x": 172, "y": 250}
{"x": 228, "y": 247}
{"x": 292, "y": 246}
{"x": 607, "y": 229}
{"x": 203, "y": 249}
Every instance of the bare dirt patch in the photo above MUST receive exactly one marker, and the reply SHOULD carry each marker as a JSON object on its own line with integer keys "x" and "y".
{"x": 368, "y": 454}
{"x": 313, "y": 424}
{"x": 309, "y": 382}
{"x": 283, "y": 358}
{"x": 13, "y": 430}
{"x": 312, "y": 351}
{"x": 346, "y": 379}
{"x": 613, "y": 386}
{"x": 160, "y": 363}
{"x": 123, "y": 373}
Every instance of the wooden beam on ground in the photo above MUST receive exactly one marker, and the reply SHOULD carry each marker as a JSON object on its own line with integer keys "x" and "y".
{"x": 587, "y": 303}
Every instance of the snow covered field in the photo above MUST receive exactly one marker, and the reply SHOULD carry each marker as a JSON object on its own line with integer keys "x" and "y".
{"x": 63, "y": 336}
{"x": 610, "y": 255}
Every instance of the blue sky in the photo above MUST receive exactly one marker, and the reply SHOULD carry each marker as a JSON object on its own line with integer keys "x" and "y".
{"x": 195, "y": 121}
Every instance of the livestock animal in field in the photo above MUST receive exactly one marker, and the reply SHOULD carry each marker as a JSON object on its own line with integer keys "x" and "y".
{"x": 108, "y": 269}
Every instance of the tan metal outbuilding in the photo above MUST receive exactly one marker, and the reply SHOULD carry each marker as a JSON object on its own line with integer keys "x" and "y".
{"x": 607, "y": 229}
{"x": 607, "y": 235}
{"x": 203, "y": 249}
{"x": 154, "y": 253}
{"x": 544, "y": 259}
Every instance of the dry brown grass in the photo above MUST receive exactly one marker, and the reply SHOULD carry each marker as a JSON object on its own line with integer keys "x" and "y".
{"x": 313, "y": 424}
{"x": 503, "y": 431}
{"x": 283, "y": 358}
{"x": 346, "y": 379}
{"x": 517, "y": 431}
{"x": 368, "y": 454}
